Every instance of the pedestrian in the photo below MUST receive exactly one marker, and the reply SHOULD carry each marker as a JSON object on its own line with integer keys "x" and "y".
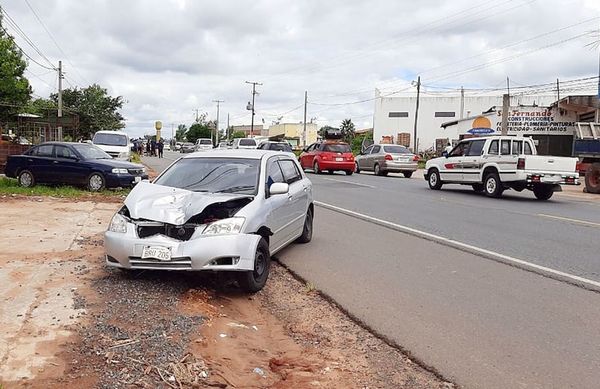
{"x": 147, "y": 148}
{"x": 160, "y": 146}
{"x": 153, "y": 148}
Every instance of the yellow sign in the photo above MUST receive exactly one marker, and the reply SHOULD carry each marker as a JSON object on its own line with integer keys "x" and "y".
{"x": 158, "y": 125}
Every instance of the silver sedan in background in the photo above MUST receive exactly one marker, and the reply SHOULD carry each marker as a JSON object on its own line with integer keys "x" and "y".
{"x": 226, "y": 210}
{"x": 382, "y": 159}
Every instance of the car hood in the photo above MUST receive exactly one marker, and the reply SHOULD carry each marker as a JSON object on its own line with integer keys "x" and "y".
{"x": 171, "y": 205}
{"x": 116, "y": 163}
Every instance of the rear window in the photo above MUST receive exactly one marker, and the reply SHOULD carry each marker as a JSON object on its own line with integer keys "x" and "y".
{"x": 43, "y": 151}
{"x": 336, "y": 148}
{"x": 280, "y": 147}
{"x": 527, "y": 149}
{"x": 396, "y": 149}
{"x": 110, "y": 139}
{"x": 205, "y": 142}
{"x": 247, "y": 142}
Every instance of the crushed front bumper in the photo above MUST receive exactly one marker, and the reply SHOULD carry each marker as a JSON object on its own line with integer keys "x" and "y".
{"x": 235, "y": 252}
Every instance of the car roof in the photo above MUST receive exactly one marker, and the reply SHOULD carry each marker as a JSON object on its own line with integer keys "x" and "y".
{"x": 65, "y": 143}
{"x": 236, "y": 153}
{"x": 111, "y": 132}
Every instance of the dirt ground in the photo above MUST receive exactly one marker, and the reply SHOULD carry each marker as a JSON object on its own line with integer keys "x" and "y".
{"x": 68, "y": 321}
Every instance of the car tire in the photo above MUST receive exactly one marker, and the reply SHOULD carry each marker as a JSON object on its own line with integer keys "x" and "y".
{"x": 492, "y": 185}
{"x": 26, "y": 179}
{"x": 477, "y": 187}
{"x": 434, "y": 180}
{"x": 592, "y": 178}
{"x": 356, "y": 168}
{"x": 543, "y": 192}
{"x": 307, "y": 230}
{"x": 316, "y": 168}
{"x": 349, "y": 172}
{"x": 96, "y": 182}
{"x": 407, "y": 173}
{"x": 377, "y": 170}
{"x": 330, "y": 171}
{"x": 255, "y": 280}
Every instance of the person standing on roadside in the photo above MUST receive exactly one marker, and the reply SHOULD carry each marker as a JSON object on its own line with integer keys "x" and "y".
{"x": 160, "y": 147}
{"x": 153, "y": 148}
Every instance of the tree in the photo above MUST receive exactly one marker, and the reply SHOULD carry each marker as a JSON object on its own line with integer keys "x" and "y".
{"x": 180, "y": 133}
{"x": 347, "y": 128}
{"x": 238, "y": 134}
{"x": 97, "y": 110}
{"x": 197, "y": 131}
{"x": 40, "y": 106}
{"x": 15, "y": 90}
{"x": 325, "y": 128}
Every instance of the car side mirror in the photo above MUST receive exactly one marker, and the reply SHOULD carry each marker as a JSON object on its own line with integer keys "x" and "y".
{"x": 445, "y": 154}
{"x": 278, "y": 188}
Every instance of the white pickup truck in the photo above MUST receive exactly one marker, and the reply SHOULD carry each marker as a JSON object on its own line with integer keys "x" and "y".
{"x": 496, "y": 163}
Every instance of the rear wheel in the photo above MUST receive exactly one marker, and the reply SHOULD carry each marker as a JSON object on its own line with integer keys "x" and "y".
{"x": 253, "y": 281}
{"x": 493, "y": 185}
{"x": 329, "y": 171}
{"x": 377, "y": 170}
{"x": 543, "y": 192}
{"x": 26, "y": 179}
{"x": 356, "y": 167}
{"x": 434, "y": 180}
{"x": 316, "y": 168}
{"x": 407, "y": 173}
{"x": 349, "y": 172}
{"x": 477, "y": 187}
{"x": 307, "y": 231}
{"x": 592, "y": 178}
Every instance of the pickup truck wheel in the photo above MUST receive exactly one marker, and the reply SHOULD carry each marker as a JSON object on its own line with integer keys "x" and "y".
{"x": 543, "y": 192}
{"x": 26, "y": 179}
{"x": 435, "y": 182}
{"x": 356, "y": 167}
{"x": 255, "y": 280}
{"x": 96, "y": 182}
{"x": 592, "y": 178}
{"x": 316, "y": 168}
{"x": 407, "y": 173}
{"x": 493, "y": 185}
{"x": 477, "y": 187}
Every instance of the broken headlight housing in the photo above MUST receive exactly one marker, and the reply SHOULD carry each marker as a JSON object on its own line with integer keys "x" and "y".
{"x": 228, "y": 226}
{"x": 118, "y": 224}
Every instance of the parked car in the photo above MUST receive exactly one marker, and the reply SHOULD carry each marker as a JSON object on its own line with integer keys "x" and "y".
{"x": 66, "y": 163}
{"x": 496, "y": 163}
{"x": 216, "y": 211}
{"x": 115, "y": 143}
{"x": 204, "y": 144}
{"x": 277, "y": 146}
{"x": 187, "y": 147}
{"x": 177, "y": 146}
{"x": 328, "y": 156}
{"x": 382, "y": 159}
{"x": 223, "y": 145}
{"x": 244, "y": 143}
{"x": 167, "y": 147}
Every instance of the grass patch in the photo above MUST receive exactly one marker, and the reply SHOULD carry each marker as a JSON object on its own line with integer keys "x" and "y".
{"x": 135, "y": 158}
{"x": 9, "y": 186}
{"x": 421, "y": 164}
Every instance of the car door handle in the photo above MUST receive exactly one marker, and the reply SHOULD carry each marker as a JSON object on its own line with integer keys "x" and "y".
{"x": 54, "y": 161}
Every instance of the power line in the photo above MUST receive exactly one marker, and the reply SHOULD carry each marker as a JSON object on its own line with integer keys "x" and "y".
{"x": 24, "y": 52}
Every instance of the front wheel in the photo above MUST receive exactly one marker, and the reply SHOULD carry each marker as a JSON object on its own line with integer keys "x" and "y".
{"x": 492, "y": 185}
{"x": 26, "y": 179}
{"x": 96, "y": 182}
{"x": 543, "y": 192}
{"x": 434, "y": 180}
{"x": 255, "y": 280}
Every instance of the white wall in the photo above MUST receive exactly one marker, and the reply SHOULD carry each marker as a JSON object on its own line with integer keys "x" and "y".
{"x": 428, "y": 126}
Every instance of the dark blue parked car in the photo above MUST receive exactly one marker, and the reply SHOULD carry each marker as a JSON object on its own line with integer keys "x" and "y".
{"x": 79, "y": 164}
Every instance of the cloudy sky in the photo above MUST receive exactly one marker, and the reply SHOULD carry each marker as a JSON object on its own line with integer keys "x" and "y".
{"x": 170, "y": 57}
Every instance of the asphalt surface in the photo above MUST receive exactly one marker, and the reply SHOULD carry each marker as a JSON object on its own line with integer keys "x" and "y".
{"x": 479, "y": 323}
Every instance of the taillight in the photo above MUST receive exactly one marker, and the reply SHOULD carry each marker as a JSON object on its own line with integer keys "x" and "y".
{"x": 521, "y": 164}
{"x": 416, "y": 158}
{"x": 324, "y": 157}
{"x": 389, "y": 157}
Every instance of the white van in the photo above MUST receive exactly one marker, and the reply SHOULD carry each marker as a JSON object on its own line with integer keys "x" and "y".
{"x": 115, "y": 143}
{"x": 203, "y": 144}
{"x": 244, "y": 143}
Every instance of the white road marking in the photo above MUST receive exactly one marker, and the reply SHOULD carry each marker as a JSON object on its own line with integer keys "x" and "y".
{"x": 349, "y": 182}
{"x": 584, "y": 222}
{"x": 466, "y": 247}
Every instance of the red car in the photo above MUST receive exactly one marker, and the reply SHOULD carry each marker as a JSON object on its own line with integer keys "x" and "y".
{"x": 328, "y": 156}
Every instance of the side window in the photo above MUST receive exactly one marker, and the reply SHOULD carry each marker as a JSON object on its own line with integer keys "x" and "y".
{"x": 376, "y": 149}
{"x": 528, "y": 149}
{"x": 460, "y": 150}
{"x": 368, "y": 150}
{"x": 290, "y": 171}
{"x": 44, "y": 151}
{"x": 517, "y": 147}
{"x": 274, "y": 173}
{"x": 63, "y": 152}
{"x": 476, "y": 148}
{"x": 261, "y": 146}
{"x": 505, "y": 147}
{"x": 493, "y": 148}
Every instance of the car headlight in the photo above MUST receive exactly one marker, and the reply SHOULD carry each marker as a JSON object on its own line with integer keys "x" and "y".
{"x": 124, "y": 154}
{"x": 225, "y": 226}
{"x": 119, "y": 171}
{"x": 118, "y": 224}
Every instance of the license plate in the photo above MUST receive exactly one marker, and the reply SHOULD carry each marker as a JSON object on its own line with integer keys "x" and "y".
{"x": 138, "y": 179}
{"x": 157, "y": 252}
{"x": 401, "y": 159}
{"x": 339, "y": 159}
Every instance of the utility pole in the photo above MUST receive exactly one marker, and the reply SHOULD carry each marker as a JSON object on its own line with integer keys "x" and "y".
{"x": 217, "y": 123}
{"x": 417, "y": 114}
{"x": 505, "y": 106}
{"x": 173, "y": 134}
{"x": 305, "y": 104}
{"x": 254, "y": 84}
{"x": 196, "y": 110}
{"x": 462, "y": 102}
{"x": 508, "y": 86}
{"x": 60, "y": 102}
{"x": 227, "y": 130}
{"x": 557, "y": 91}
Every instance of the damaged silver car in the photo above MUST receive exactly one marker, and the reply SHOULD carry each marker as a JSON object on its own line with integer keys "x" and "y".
{"x": 217, "y": 211}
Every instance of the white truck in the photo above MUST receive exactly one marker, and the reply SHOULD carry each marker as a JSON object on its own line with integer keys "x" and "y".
{"x": 115, "y": 143}
{"x": 496, "y": 163}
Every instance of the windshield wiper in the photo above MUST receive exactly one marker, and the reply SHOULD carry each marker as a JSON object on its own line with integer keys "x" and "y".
{"x": 236, "y": 189}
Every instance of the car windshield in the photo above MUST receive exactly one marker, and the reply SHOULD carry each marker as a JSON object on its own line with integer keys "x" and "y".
{"x": 110, "y": 139}
{"x": 396, "y": 149}
{"x": 214, "y": 175}
{"x": 337, "y": 148}
{"x": 88, "y": 151}
{"x": 247, "y": 142}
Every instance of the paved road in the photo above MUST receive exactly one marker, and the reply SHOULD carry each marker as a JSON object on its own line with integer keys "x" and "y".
{"x": 478, "y": 322}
